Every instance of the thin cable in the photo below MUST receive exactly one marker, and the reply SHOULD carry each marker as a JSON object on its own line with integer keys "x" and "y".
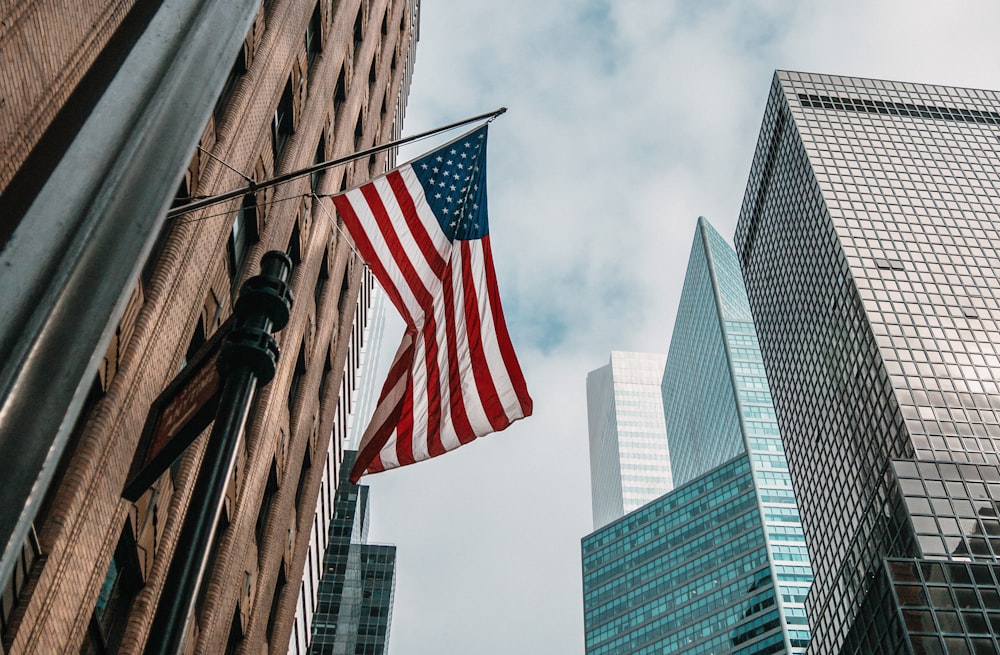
{"x": 227, "y": 165}
{"x": 198, "y": 219}
{"x": 336, "y": 226}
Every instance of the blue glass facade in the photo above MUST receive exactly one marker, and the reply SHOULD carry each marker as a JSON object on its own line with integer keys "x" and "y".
{"x": 719, "y": 565}
{"x": 698, "y": 395}
{"x": 687, "y": 573}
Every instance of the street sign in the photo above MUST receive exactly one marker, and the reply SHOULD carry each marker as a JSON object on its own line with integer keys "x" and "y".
{"x": 178, "y": 415}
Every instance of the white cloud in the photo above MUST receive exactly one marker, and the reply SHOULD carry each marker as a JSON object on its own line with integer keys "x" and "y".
{"x": 627, "y": 120}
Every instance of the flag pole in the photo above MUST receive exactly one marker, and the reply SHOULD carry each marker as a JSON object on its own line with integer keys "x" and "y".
{"x": 302, "y": 172}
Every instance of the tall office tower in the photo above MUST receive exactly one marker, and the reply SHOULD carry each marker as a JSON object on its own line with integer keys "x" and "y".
{"x": 629, "y": 462}
{"x": 235, "y": 92}
{"x": 354, "y": 405}
{"x": 354, "y": 611}
{"x": 868, "y": 240}
{"x": 718, "y": 565}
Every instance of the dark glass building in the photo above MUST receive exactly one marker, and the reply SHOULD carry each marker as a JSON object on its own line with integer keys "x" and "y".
{"x": 719, "y": 564}
{"x": 868, "y": 241}
{"x": 354, "y": 603}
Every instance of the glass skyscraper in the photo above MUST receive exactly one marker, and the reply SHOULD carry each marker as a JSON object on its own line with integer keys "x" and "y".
{"x": 354, "y": 407}
{"x": 868, "y": 240}
{"x": 354, "y": 601}
{"x": 719, "y": 564}
{"x": 629, "y": 461}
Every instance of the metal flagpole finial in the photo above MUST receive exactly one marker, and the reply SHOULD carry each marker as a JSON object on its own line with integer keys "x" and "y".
{"x": 496, "y": 114}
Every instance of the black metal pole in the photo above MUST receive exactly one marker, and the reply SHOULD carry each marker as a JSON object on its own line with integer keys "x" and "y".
{"x": 248, "y": 358}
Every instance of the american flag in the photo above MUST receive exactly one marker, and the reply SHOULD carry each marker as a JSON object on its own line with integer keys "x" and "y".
{"x": 422, "y": 228}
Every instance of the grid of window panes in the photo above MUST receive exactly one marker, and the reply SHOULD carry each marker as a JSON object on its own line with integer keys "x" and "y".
{"x": 605, "y": 472}
{"x": 879, "y": 628}
{"x": 786, "y": 542}
{"x": 953, "y": 508}
{"x": 378, "y": 586}
{"x": 715, "y": 355}
{"x": 355, "y": 594}
{"x": 948, "y": 607}
{"x": 868, "y": 240}
{"x": 642, "y": 436}
{"x": 630, "y": 463}
{"x": 687, "y": 573}
{"x": 698, "y": 398}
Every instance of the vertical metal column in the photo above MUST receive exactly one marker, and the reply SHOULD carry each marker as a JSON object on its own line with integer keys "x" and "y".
{"x": 70, "y": 264}
{"x": 248, "y": 358}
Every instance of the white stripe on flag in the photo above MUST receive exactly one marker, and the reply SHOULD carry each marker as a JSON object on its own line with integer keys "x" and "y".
{"x": 470, "y": 393}
{"x": 491, "y": 345}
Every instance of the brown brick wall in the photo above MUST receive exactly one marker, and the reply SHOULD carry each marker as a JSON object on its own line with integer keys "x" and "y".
{"x": 86, "y": 515}
{"x": 46, "y": 46}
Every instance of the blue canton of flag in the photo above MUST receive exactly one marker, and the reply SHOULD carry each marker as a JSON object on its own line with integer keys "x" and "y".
{"x": 454, "y": 181}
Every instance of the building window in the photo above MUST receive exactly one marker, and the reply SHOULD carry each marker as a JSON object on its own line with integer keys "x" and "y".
{"x": 283, "y": 124}
{"x": 244, "y": 233}
{"x": 340, "y": 90}
{"x": 279, "y": 588}
{"x": 232, "y": 81}
{"x": 321, "y": 279}
{"x": 344, "y": 288}
{"x": 324, "y": 383}
{"x": 359, "y": 29}
{"x": 294, "y": 249}
{"x": 359, "y": 132}
{"x": 235, "y": 634}
{"x": 314, "y": 40}
{"x": 303, "y": 478}
{"x": 182, "y": 197}
{"x": 318, "y": 158}
{"x": 121, "y": 583}
{"x": 195, "y": 344}
{"x": 28, "y": 560}
{"x": 265, "y": 506}
{"x": 297, "y": 377}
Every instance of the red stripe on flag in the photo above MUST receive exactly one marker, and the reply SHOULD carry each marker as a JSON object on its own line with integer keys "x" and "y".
{"x": 459, "y": 416}
{"x": 503, "y": 336}
{"x": 399, "y": 254}
{"x": 433, "y": 427}
{"x": 364, "y": 246}
{"x": 376, "y": 466}
{"x": 404, "y": 429}
{"x": 435, "y": 261}
{"x": 373, "y": 444}
{"x": 480, "y": 365}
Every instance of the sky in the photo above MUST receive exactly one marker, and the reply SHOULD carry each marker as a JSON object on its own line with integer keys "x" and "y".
{"x": 627, "y": 120}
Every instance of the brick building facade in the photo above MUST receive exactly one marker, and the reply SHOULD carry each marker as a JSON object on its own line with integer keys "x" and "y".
{"x": 314, "y": 80}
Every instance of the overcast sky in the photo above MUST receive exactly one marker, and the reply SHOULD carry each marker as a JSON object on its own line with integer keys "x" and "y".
{"x": 628, "y": 119}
